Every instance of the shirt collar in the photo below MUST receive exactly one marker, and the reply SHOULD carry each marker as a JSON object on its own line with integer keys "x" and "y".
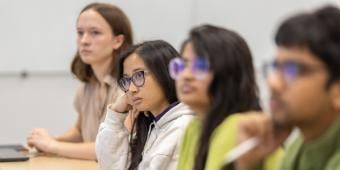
{"x": 316, "y": 153}
{"x": 160, "y": 115}
{"x": 327, "y": 138}
{"x": 109, "y": 80}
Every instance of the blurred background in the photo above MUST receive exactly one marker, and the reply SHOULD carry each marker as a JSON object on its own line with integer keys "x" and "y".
{"x": 38, "y": 41}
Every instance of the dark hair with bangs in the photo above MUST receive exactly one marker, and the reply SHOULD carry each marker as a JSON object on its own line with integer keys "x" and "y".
{"x": 156, "y": 56}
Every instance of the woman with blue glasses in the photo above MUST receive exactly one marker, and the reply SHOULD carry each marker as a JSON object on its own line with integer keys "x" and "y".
{"x": 143, "y": 128}
{"x": 215, "y": 78}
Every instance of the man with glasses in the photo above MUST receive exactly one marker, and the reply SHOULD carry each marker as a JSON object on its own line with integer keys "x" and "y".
{"x": 304, "y": 81}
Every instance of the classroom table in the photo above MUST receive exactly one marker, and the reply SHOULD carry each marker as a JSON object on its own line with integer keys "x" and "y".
{"x": 50, "y": 162}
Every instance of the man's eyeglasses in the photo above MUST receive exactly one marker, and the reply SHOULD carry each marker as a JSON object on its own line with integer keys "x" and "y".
{"x": 137, "y": 78}
{"x": 289, "y": 70}
{"x": 199, "y": 67}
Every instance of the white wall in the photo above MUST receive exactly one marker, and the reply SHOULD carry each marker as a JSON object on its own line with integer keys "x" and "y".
{"x": 36, "y": 101}
{"x": 39, "y": 36}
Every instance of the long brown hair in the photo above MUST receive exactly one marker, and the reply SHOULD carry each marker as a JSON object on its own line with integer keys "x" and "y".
{"x": 120, "y": 25}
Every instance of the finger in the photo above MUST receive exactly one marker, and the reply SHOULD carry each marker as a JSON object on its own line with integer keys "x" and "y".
{"x": 245, "y": 128}
{"x": 135, "y": 112}
{"x": 267, "y": 131}
{"x": 254, "y": 125}
{"x": 129, "y": 107}
{"x": 30, "y": 142}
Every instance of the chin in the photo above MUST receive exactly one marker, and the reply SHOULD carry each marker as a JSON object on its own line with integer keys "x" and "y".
{"x": 189, "y": 101}
{"x": 87, "y": 59}
{"x": 184, "y": 100}
{"x": 280, "y": 119}
{"x": 140, "y": 107}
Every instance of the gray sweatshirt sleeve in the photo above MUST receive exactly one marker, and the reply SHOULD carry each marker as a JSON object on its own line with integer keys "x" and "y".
{"x": 112, "y": 146}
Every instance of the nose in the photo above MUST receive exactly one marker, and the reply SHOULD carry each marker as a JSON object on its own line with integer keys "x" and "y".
{"x": 186, "y": 74}
{"x": 84, "y": 39}
{"x": 132, "y": 88}
{"x": 276, "y": 82}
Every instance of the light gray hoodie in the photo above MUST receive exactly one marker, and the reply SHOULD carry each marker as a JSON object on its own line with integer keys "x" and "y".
{"x": 160, "y": 150}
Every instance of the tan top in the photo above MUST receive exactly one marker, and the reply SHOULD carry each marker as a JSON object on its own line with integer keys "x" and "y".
{"x": 90, "y": 102}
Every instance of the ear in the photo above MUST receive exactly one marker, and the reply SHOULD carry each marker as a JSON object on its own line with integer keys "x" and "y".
{"x": 118, "y": 40}
{"x": 335, "y": 95}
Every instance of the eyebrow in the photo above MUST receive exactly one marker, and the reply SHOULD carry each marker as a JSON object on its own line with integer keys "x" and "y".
{"x": 134, "y": 70}
{"x": 91, "y": 28}
{"x": 138, "y": 69}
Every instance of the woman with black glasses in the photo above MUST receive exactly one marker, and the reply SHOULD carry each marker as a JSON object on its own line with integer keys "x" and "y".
{"x": 143, "y": 128}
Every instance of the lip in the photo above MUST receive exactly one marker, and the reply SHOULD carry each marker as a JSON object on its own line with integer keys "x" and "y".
{"x": 85, "y": 51}
{"x": 275, "y": 104}
{"x": 137, "y": 100}
{"x": 186, "y": 88}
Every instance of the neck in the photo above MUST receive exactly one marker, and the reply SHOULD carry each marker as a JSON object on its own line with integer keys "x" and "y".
{"x": 200, "y": 111}
{"x": 160, "y": 107}
{"x": 101, "y": 70}
{"x": 314, "y": 130}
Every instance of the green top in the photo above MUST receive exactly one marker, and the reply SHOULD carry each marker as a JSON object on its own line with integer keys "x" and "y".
{"x": 223, "y": 140}
{"x": 321, "y": 154}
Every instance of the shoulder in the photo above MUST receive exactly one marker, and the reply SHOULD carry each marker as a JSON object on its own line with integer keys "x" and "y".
{"x": 84, "y": 89}
{"x": 79, "y": 96}
{"x": 80, "y": 89}
{"x": 177, "y": 117}
{"x": 334, "y": 162}
{"x": 229, "y": 122}
{"x": 222, "y": 141}
{"x": 273, "y": 161}
{"x": 194, "y": 126}
{"x": 113, "y": 89}
{"x": 291, "y": 153}
{"x": 226, "y": 131}
{"x": 191, "y": 134}
{"x": 174, "y": 125}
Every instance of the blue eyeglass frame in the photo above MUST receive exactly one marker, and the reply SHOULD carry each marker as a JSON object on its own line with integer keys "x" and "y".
{"x": 200, "y": 67}
{"x": 290, "y": 70}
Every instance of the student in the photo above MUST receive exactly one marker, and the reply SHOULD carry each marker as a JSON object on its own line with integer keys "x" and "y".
{"x": 215, "y": 78}
{"x": 152, "y": 141}
{"x": 103, "y": 32}
{"x": 304, "y": 80}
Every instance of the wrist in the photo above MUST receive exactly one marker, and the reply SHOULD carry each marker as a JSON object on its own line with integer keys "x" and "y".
{"x": 117, "y": 109}
{"x": 53, "y": 146}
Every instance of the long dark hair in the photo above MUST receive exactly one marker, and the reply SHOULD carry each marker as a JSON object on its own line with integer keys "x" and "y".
{"x": 319, "y": 32}
{"x": 233, "y": 88}
{"x": 120, "y": 25}
{"x": 156, "y": 56}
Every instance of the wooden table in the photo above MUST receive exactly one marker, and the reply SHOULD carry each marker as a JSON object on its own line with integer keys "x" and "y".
{"x": 50, "y": 163}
